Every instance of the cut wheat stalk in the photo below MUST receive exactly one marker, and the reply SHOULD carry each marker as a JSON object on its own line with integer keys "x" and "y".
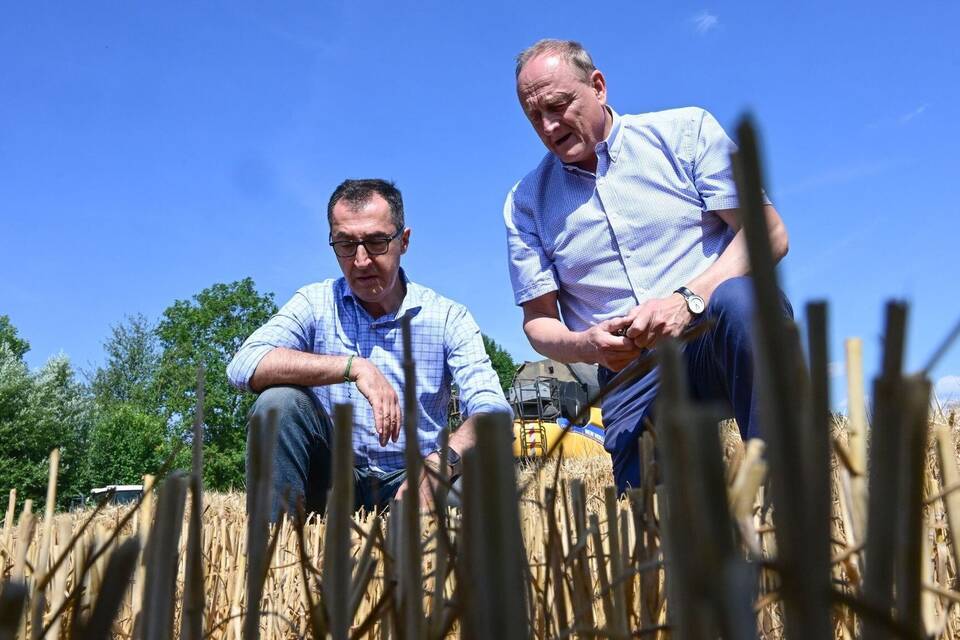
{"x": 163, "y": 560}
{"x": 857, "y": 437}
{"x": 336, "y": 547}
{"x": 191, "y": 626}
{"x": 411, "y": 560}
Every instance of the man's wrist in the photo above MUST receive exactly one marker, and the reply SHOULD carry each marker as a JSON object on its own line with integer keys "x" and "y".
{"x": 357, "y": 368}
{"x": 584, "y": 349}
{"x": 452, "y": 462}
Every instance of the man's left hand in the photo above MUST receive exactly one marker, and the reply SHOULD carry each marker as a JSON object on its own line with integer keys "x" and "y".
{"x": 658, "y": 318}
{"x": 428, "y": 484}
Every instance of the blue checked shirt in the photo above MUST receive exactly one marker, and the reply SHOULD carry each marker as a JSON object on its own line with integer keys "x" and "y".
{"x": 639, "y": 228}
{"x": 325, "y": 318}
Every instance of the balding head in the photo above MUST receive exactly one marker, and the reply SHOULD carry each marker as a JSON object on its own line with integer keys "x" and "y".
{"x": 571, "y": 51}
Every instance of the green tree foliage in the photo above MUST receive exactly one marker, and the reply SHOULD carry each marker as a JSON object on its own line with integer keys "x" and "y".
{"x": 502, "y": 362}
{"x": 129, "y": 437}
{"x": 208, "y": 330}
{"x": 15, "y": 391}
{"x": 8, "y": 336}
{"x": 126, "y": 442}
{"x": 130, "y": 372}
{"x": 41, "y": 412}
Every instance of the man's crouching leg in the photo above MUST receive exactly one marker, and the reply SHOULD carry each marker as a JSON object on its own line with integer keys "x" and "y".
{"x": 301, "y": 462}
{"x": 721, "y": 363}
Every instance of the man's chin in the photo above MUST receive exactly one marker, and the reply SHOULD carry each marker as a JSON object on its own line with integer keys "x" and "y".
{"x": 365, "y": 289}
{"x": 571, "y": 155}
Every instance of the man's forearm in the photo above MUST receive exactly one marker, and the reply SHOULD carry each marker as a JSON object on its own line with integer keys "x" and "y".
{"x": 289, "y": 366}
{"x": 465, "y": 437}
{"x": 551, "y": 338}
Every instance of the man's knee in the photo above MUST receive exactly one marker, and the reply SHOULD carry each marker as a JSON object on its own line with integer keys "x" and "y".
{"x": 732, "y": 300}
{"x": 282, "y": 402}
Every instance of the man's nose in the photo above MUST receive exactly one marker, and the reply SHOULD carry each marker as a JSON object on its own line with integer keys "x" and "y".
{"x": 362, "y": 258}
{"x": 549, "y": 122}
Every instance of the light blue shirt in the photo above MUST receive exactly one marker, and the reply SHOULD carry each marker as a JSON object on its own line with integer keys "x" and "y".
{"x": 639, "y": 228}
{"x": 325, "y": 318}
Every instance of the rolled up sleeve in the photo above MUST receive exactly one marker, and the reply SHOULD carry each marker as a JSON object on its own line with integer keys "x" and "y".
{"x": 712, "y": 167}
{"x": 531, "y": 271}
{"x": 470, "y": 365}
{"x": 292, "y": 327}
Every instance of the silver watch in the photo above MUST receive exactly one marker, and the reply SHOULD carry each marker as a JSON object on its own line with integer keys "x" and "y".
{"x": 695, "y": 303}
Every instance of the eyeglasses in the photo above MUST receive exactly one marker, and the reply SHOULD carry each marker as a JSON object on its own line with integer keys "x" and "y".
{"x": 373, "y": 246}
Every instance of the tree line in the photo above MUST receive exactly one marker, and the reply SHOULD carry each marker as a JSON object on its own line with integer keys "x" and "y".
{"x": 133, "y": 412}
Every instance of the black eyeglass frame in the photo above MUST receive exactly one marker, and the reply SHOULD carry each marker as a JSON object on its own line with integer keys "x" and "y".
{"x": 386, "y": 240}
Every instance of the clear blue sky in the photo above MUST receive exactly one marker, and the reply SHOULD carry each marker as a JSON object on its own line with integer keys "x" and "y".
{"x": 147, "y": 152}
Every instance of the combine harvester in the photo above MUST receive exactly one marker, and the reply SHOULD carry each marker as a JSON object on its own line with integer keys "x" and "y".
{"x": 546, "y": 396}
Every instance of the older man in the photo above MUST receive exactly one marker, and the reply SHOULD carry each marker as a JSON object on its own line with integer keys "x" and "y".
{"x": 625, "y": 233}
{"x": 339, "y": 341}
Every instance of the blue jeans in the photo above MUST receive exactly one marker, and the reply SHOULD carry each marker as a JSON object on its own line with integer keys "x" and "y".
{"x": 719, "y": 370}
{"x": 302, "y": 463}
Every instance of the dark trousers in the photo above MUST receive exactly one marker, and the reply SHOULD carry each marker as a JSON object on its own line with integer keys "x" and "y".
{"x": 302, "y": 463}
{"x": 720, "y": 370}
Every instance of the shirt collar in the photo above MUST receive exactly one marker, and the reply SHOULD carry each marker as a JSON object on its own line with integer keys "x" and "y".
{"x": 410, "y": 305}
{"x": 614, "y": 139}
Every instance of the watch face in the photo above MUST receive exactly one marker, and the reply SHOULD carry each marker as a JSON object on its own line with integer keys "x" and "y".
{"x": 696, "y": 304}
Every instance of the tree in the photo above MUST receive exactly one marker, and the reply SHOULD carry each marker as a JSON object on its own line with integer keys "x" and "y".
{"x": 129, "y": 436}
{"x": 502, "y": 362}
{"x": 208, "y": 330}
{"x": 125, "y": 443}
{"x": 15, "y": 387}
{"x": 8, "y": 336}
{"x": 50, "y": 409}
{"x": 133, "y": 359}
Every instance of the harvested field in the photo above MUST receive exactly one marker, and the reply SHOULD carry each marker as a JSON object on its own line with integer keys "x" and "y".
{"x": 582, "y": 575}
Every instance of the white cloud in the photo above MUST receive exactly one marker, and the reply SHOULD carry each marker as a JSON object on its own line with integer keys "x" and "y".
{"x": 947, "y": 389}
{"x": 893, "y": 121}
{"x": 704, "y": 22}
{"x": 842, "y": 174}
{"x": 907, "y": 117}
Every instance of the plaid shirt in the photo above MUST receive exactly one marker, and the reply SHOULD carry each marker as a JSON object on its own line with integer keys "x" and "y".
{"x": 325, "y": 318}
{"x": 639, "y": 227}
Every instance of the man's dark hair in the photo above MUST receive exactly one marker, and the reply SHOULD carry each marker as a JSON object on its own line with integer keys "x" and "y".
{"x": 357, "y": 193}
{"x": 570, "y": 50}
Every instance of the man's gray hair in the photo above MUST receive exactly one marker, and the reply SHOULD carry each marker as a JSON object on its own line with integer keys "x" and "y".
{"x": 571, "y": 51}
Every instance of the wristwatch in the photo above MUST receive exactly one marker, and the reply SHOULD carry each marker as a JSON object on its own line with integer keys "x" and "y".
{"x": 695, "y": 303}
{"x": 454, "y": 461}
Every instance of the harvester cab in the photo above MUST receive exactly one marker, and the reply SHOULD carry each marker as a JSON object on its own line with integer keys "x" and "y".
{"x": 545, "y": 406}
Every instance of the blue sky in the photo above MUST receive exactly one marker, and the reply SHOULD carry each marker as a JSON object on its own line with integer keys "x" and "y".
{"x": 150, "y": 150}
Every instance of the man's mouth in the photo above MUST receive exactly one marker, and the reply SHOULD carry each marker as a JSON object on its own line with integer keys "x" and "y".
{"x": 561, "y": 141}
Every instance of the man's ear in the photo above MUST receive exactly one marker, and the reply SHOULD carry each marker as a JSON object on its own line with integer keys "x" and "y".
{"x": 599, "y": 85}
{"x": 404, "y": 240}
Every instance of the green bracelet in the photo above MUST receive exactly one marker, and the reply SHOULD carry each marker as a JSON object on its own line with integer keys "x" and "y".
{"x": 346, "y": 372}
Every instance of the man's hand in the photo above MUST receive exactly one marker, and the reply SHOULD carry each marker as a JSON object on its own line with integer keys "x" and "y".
{"x": 602, "y": 346}
{"x": 427, "y": 485}
{"x": 656, "y": 319}
{"x": 387, "y": 416}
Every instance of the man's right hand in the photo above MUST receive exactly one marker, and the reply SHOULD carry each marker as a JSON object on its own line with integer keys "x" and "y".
{"x": 601, "y": 345}
{"x": 387, "y": 416}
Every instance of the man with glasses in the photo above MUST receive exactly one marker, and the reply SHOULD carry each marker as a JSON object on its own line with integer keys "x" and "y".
{"x": 340, "y": 341}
